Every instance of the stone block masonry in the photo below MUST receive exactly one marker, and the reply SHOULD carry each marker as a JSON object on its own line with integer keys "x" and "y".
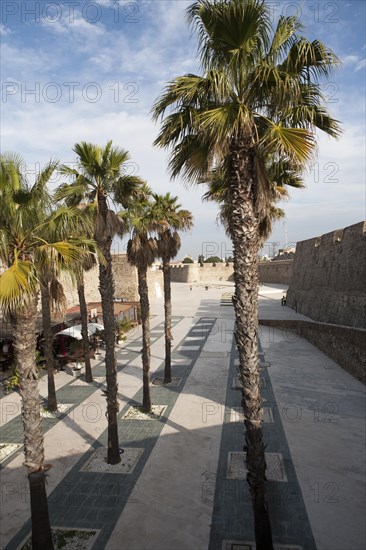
{"x": 125, "y": 279}
{"x": 329, "y": 274}
{"x": 277, "y": 272}
{"x": 345, "y": 345}
{"x": 269, "y": 272}
{"x": 194, "y": 273}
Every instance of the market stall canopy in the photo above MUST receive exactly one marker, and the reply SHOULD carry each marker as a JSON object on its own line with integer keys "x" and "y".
{"x": 75, "y": 332}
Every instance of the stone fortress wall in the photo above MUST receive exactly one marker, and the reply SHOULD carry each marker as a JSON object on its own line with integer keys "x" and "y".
{"x": 278, "y": 272}
{"x": 269, "y": 272}
{"x": 125, "y": 279}
{"x": 329, "y": 277}
{"x": 328, "y": 285}
{"x": 194, "y": 273}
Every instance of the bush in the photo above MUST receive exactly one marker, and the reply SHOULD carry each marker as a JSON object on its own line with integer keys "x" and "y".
{"x": 13, "y": 382}
{"x": 187, "y": 260}
{"x": 123, "y": 326}
{"x": 213, "y": 260}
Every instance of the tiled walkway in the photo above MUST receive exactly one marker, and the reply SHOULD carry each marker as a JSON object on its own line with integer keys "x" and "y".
{"x": 187, "y": 490}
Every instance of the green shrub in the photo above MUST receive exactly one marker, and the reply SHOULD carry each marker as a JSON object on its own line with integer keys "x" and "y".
{"x": 213, "y": 260}
{"x": 13, "y": 382}
{"x": 123, "y": 326}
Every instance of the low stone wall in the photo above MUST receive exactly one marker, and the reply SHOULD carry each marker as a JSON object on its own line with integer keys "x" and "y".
{"x": 345, "y": 345}
{"x": 277, "y": 272}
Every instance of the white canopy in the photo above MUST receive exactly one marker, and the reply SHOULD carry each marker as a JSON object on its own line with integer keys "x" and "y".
{"x": 75, "y": 332}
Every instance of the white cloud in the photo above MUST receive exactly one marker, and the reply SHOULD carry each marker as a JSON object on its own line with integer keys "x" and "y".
{"x": 4, "y": 31}
{"x": 147, "y": 54}
{"x": 353, "y": 61}
{"x": 360, "y": 65}
{"x": 76, "y": 23}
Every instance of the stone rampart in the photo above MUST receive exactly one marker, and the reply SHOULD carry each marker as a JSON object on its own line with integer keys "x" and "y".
{"x": 278, "y": 272}
{"x": 269, "y": 272}
{"x": 125, "y": 279}
{"x": 329, "y": 274}
{"x": 194, "y": 273}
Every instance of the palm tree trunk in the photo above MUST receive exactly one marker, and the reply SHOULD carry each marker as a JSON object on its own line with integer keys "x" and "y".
{"x": 145, "y": 322}
{"x": 84, "y": 329}
{"x": 24, "y": 334}
{"x": 168, "y": 322}
{"x": 244, "y": 230}
{"x": 48, "y": 346}
{"x": 106, "y": 287}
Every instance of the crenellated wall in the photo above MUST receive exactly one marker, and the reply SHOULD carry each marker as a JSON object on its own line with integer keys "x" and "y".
{"x": 194, "y": 273}
{"x": 329, "y": 277}
{"x": 269, "y": 272}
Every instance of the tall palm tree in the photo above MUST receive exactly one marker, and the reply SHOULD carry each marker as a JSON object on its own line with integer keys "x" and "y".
{"x": 24, "y": 250}
{"x": 259, "y": 95}
{"x": 51, "y": 292}
{"x": 90, "y": 262}
{"x": 173, "y": 219}
{"x": 142, "y": 250}
{"x": 84, "y": 227}
{"x": 53, "y": 300}
{"x": 101, "y": 176}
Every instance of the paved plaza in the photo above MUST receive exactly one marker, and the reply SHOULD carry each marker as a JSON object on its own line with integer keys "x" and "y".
{"x": 181, "y": 483}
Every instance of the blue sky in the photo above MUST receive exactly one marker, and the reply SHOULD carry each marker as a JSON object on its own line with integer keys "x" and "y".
{"x": 90, "y": 70}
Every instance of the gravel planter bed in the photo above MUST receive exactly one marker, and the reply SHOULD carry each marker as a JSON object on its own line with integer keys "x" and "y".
{"x": 62, "y": 408}
{"x": 69, "y": 539}
{"x": 136, "y": 413}
{"x": 236, "y": 468}
{"x": 6, "y": 449}
{"x": 98, "y": 461}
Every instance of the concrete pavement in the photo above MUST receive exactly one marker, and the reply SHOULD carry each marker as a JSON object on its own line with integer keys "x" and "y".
{"x": 180, "y": 495}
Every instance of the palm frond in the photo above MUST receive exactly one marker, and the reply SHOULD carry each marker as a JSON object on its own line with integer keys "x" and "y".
{"x": 297, "y": 143}
{"x": 58, "y": 301}
{"x": 18, "y": 284}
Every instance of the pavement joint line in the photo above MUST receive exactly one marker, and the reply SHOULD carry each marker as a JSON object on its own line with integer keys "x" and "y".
{"x": 99, "y": 364}
{"x": 228, "y": 523}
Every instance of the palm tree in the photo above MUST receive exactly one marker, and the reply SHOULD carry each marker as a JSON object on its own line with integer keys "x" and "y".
{"x": 53, "y": 300}
{"x": 174, "y": 219}
{"x": 84, "y": 227}
{"x": 101, "y": 176}
{"x": 89, "y": 263}
{"x": 142, "y": 250}
{"x": 52, "y": 297}
{"x": 24, "y": 250}
{"x": 259, "y": 96}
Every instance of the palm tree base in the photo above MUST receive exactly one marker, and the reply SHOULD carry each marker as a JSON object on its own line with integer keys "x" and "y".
{"x": 41, "y": 530}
